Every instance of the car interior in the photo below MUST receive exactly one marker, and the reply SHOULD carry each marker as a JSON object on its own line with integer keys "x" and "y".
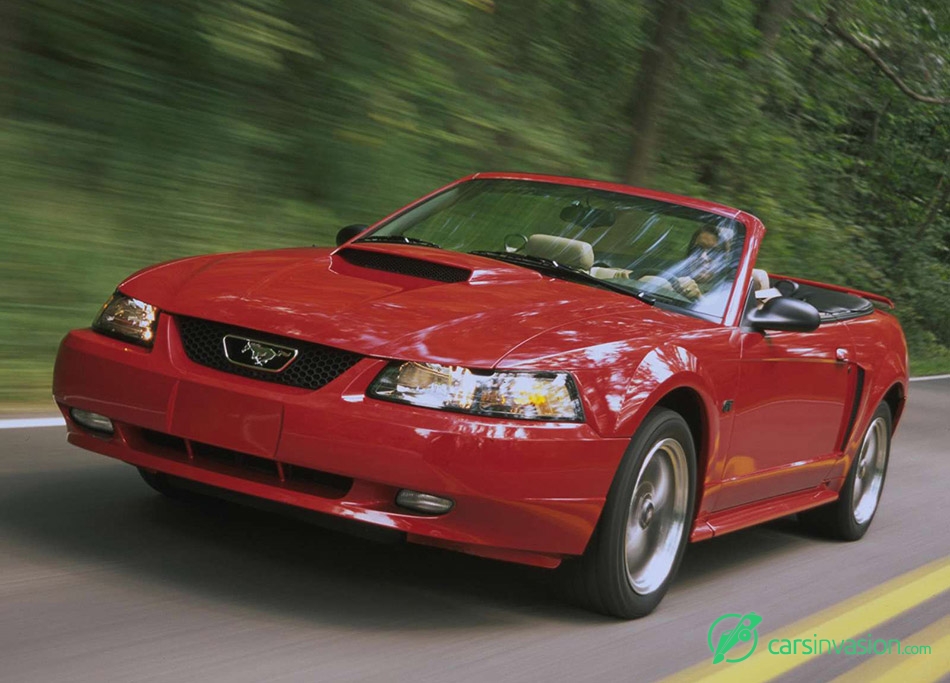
{"x": 573, "y": 253}
{"x": 831, "y": 305}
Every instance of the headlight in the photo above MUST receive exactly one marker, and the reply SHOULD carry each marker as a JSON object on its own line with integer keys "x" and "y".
{"x": 519, "y": 395}
{"x": 128, "y": 319}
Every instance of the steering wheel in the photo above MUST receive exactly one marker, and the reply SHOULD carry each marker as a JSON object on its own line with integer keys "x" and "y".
{"x": 670, "y": 279}
{"x": 786, "y": 287}
{"x": 511, "y": 242}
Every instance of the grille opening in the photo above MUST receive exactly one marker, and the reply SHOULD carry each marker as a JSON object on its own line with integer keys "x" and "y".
{"x": 164, "y": 441}
{"x": 234, "y": 459}
{"x": 404, "y": 265}
{"x": 244, "y": 465}
{"x": 304, "y": 475}
{"x": 315, "y": 366}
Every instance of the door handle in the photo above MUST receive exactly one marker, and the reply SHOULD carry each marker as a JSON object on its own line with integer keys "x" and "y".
{"x": 841, "y": 355}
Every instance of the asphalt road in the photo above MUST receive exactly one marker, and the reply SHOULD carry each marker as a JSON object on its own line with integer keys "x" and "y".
{"x": 103, "y": 580}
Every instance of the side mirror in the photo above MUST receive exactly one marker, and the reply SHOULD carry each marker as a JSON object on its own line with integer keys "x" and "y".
{"x": 349, "y": 232}
{"x": 786, "y": 315}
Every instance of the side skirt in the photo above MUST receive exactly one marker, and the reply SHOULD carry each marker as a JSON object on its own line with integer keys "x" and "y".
{"x": 742, "y": 516}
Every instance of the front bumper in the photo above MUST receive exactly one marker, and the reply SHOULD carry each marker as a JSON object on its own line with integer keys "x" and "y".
{"x": 523, "y": 491}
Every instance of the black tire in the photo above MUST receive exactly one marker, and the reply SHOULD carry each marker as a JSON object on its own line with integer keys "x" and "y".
{"x": 162, "y": 483}
{"x": 601, "y": 580}
{"x": 840, "y": 519}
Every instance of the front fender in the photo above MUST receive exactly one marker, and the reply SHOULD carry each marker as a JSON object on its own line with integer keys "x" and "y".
{"x": 661, "y": 372}
{"x": 621, "y": 401}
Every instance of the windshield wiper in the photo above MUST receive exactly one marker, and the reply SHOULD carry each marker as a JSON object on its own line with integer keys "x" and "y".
{"x": 552, "y": 267}
{"x": 399, "y": 239}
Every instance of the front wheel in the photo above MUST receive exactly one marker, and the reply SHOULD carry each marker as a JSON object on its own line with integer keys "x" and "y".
{"x": 639, "y": 542}
{"x": 849, "y": 517}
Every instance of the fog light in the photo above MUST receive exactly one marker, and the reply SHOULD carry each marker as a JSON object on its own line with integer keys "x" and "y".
{"x": 93, "y": 421}
{"x": 423, "y": 502}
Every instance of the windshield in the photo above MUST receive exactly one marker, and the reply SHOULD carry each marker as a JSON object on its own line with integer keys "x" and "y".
{"x": 678, "y": 256}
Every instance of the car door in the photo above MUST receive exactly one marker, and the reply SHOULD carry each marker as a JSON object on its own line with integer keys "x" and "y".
{"x": 789, "y": 412}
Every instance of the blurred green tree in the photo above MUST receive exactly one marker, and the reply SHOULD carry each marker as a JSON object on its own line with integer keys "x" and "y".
{"x": 133, "y": 132}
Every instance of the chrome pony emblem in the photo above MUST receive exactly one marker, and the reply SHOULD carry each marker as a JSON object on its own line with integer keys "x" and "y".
{"x": 257, "y": 354}
{"x": 262, "y": 355}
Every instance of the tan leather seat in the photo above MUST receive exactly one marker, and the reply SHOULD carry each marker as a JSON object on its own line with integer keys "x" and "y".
{"x": 762, "y": 288}
{"x": 567, "y": 252}
{"x": 760, "y": 279}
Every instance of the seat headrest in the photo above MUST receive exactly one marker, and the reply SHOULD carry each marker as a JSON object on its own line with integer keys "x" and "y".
{"x": 760, "y": 279}
{"x": 568, "y": 252}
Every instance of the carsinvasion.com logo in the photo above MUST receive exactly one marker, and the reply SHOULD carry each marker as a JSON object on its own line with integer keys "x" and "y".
{"x": 734, "y": 635}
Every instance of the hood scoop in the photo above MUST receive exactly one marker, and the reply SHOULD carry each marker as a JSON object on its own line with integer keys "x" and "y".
{"x": 404, "y": 265}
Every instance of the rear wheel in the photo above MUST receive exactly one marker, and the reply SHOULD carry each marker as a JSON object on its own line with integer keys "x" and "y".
{"x": 639, "y": 542}
{"x": 850, "y": 516}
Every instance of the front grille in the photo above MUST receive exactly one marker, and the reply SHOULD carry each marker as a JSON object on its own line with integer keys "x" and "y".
{"x": 315, "y": 366}
{"x": 404, "y": 265}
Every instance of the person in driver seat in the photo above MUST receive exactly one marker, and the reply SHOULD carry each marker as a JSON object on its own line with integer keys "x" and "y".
{"x": 699, "y": 271}
{"x": 704, "y": 254}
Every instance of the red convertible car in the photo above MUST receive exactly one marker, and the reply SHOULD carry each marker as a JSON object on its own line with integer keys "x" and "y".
{"x": 536, "y": 369}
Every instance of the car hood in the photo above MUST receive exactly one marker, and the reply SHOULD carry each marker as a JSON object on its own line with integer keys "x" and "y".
{"x": 394, "y": 301}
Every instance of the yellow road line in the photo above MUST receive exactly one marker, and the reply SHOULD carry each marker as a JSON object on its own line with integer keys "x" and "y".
{"x": 845, "y": 619}
{"x": 921, "y": 668}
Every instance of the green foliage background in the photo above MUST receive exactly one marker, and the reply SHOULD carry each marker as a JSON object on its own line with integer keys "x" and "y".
{"x": 133, "y": 132}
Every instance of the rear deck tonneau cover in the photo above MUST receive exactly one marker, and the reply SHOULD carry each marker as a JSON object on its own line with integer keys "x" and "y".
{"x": 837, "y": 288}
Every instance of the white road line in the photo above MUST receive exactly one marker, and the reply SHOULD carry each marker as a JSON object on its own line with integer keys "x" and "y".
{"x": 924, "y": 379}
{"x": 31, "y": 423}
